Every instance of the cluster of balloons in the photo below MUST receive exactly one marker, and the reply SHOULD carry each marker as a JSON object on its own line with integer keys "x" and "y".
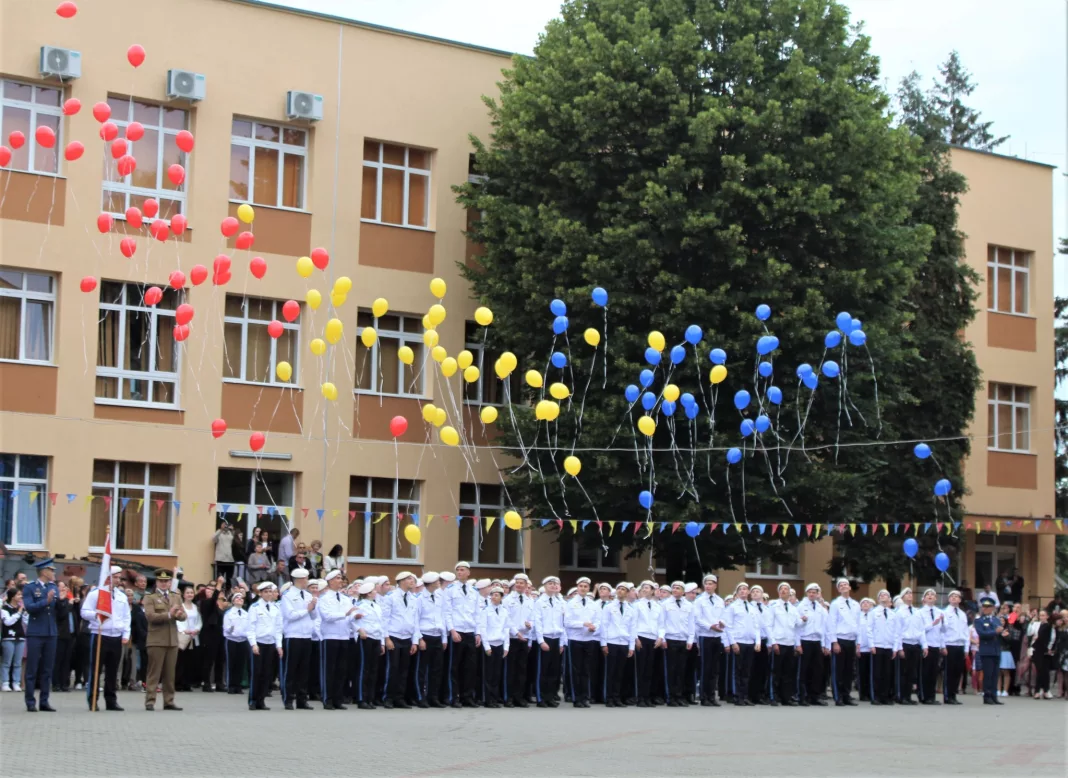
{"x": 911, "y": 548}
{"x": 943, "y": 486}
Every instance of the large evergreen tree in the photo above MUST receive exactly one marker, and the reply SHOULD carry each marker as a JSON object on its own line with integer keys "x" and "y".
{"x": 962, "y": 124}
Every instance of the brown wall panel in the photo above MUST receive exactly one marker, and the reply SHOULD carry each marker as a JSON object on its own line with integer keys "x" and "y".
{"x": 396, "y": 248}
{"x": 262, "y": 408}
{"x": 143, "y": 415}
{"x": 1012, "y": 471}
{"x": 28, "y": 388}
{"x": 32, "y": 198}
{"x": 277, "y": 231}
{"x": 1015, "y": 332}
{"x": 371, "y": 416}
{"x": 123, "y": 228}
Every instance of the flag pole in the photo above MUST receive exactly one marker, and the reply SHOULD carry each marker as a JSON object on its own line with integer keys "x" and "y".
{"x": 105, "y": 562}
{"x": 96, "y": 669}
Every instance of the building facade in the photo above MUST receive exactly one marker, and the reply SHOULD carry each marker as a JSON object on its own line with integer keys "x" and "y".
{"x": 106, "y": 421}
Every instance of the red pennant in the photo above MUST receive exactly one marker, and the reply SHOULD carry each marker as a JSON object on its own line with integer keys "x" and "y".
{"x": 712, "y": 526}
{"x": 400, "y": 517}
{"x": 967, "y": 525}
{"x": 52, "y": 496}
{"x": 259, "y": 510}
{"x": 352, "y": 516}
{"x": 637, "y": 526}
{"x": 774, "y": 528}
{"x": 809, "y": 528}
{"x": 990, "y": 525}
{"x": 305, "y": 512}
{"x": 159, "y": 505}
{"x": 211, "y": 507}
{"x": 560, "y": 523}
{"x": 599, "y": 526}
{"x": 939, "y": 525}
{"x": 907, "y": 526}
{"x": 675, "y": 526}
{"x": 107, "y": 502}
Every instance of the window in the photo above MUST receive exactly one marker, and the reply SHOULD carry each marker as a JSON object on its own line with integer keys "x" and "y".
{"x": 1007, "y": 279}
{"x": 27, "y": 307}
{"x": 155, "y": 151}
{"x": 488, "y": 389}
{"x": 396, "y": 185}
{"x": 1009, "y": 418}
{"x": 254, "y": 499}
{"x": 586, "y": 553}
{"x": 251, "y": 353}
{"x": 378, "y": 539}
{"x": 25, "y": 108}
{"x": 384, "y": 372}
{"x": 272, "y": 157}
{"x": 134, "y": 499}
{"x": 23, "y": 497}
{"x": 496, "y": 546}
{"x": 764, "y": 567}
{"x": 137, "y": 356}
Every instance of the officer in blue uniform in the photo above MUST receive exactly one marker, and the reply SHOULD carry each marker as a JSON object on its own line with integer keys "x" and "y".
{"x": 39, "y": 599}
{"x": 988, "y": 627}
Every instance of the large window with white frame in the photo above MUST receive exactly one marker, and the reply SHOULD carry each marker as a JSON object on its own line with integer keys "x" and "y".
{"x": 375, "y": 532}
{"x": 380, "y": 369}
{"x": 1009, "y": 417}
{"x": 396, "y": 185}
{"x": 586, "y": 552}
{"x": 135, "y": 499}
{"x": 23, "y": 500}
{"x": 137, "y": 360}
{"x": 1008, "y": 273}
{"x": 765, "y": 567}
{"x": 27, "y": 315}
{"x": 488, "y": 389}
{"x": 251, "y": 354}
{"x": 268, "y": 164}
{"x": 24, "y": 108}
{"x": 155, "y": 151}
{"x": 496, "y": 545}
{"x": 248, "y": 499}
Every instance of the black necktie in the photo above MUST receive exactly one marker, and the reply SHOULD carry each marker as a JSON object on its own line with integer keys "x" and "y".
{"x": 932, "y": 614}
{"x": 432, "y": 597}
{"x": 497, "y": 611}
{"x": 885, "y": 617}
{"x": 650, "y": 605}
{"x": 302, "y": 594}
{"x": 787, "y": 606}
{"x": 910, "y": 610}
{"x": 679, "y": 603}
{"x": 465, "y": 588}
{"x": 813, "y": 606}
{"x": 550, "y": 602}
{"x": 338, "y": 595}
{"x": 956, "y": 611}
{"x": 620, "y": 609}
{"x": 520, "y": 599}
{"x": 746, "y": 606}
{"x": 267, "y": 605}
{"x": 760, "y": 607}
{"x": 584, "y": 602}
{"x": 406, "y": 599}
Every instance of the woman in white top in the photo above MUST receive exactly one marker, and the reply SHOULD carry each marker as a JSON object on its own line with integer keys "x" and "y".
{"x": 188, "y": 668}
{"x": 335, "y": 560}
{"x": 371, "y": 637}
{"x": 235, "y": 632}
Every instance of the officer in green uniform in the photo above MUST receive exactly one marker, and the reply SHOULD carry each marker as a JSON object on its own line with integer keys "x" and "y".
{"x": 988, "y": 627}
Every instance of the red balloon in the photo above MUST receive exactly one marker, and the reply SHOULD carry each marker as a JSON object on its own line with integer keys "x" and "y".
{"x": 229, "y": 226}
{"x": 275, "y": 329}
{"x": 159, "y": 230}
{"x": 181, "y": 332}
{"x": 16, "y": 139}
{"x": 135, "y": 131}
{"x": 218, "y": 428}
{"x": 74, "y": 151}
{"x": 88, "y": 284}
{"x": 199, "y": 273}
{"x": 176, "y": 173}
{"x": 184, "y": 139}
{"x": 258, "y": 267}
{"x": 244, "y": 240}
{"x": 150, "y": 208}
{"x": 320, "y": 258}
{"x": 72, "y": 105}
{"x": 127, "y": 246}
{"x": 136, "y": 55}
{"x": 104, "y": 222}
{"x": 153, "y": 295}
{"x": 290, "y": 310}
{"x": 398, "y": 425}
{"x": 5, "y": 156}
{"x": 109, "y": 131}
{"x": 178, "y": 224}
{"x": 126, "y": 164}
{"x": 118, "y": 147}
{"x": 133, "y": 217}
{"x": 177, "y": 279}
{"x": 183, "y": 314}
{"x": 101, "y": 112}
{"x": 221, "y": 263}
{"x": 256, "y": 441}
{"x": 66, "y": 9}
{"x": 222, "y": 278}
{"x": 45, "y": 135}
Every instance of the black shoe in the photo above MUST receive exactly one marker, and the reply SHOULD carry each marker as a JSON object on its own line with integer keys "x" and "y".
{"x": 314, "y": 697}
{"x": 252, "y": 706}
{"x": 706, "y": 703}
{"x": 715, "y": 703}
{"x": 328, "y": 706}
{"x": 554, "y": 704}
{"x": 493, "y": 705}
{"x": 423, "y": 704}
{"x": 933, "y": 702}
{"x": 987, "y": 701}
{"x": 470, "y": 704}
{"x": 995, "y": 701}
{"x": 33, "y": 709}
{"x": 388, "y": 704}
{"x": 233, "y": 691}
{"x": 954, "y": 701}
{"x": 820, "y": 702}
{"x": 115, "y": 706}
{"x": 876, "y": 702}
{"x": 762, "y": 702}
{"x": 459, "y": 704}
{"x": 658, "y": 700}
{"x": 643, "y": 704}
{"x": 839, "y": 703}
{"x": 402, "y": 705}
{"x": 287, "y": 706}
{"x": 522, "y": 704}
{"x": 206, "y": 688}
{"x": 804, "y": 703}
{"x": 365, "y": 706}
{"x": 739, "y": 703}
{"x": 540, "y": 705}
{"x": 673, "y": 704}
{"x": 791, "y": 703}
{"x": 150, "y": 707}
{"x": 261, "y": 706}
{"x": 850, "y": 701}
{"x": 436, "y": 704}
{"x": 304, "y": 706}
{"x": 172, "y": 706}
{"x": 774, "y": 703}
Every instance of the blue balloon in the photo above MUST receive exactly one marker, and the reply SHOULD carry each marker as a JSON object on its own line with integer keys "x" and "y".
{"x": 830, "y": 369}
{"x": 774, "y": 394}
{"x": 632, "y": 393}
{"x": 558, "y": 308}
{"x": 832, "y": 339}
{"x": 803, "y": 369}
{"x": 686, "y": 400}
{"x": 765, "y": 369}
{"x": 718, "y": 356}
{"x": 691, "y": 411}
{"x": 734, "y": 455}
{"x": 811, "y": 380}
{"x": 746, "y": 427}
{"x": 652, "y": 356}
{"x": 855, "y": 324}
{"x": 911, "y": 547}
{"x": 559, "y": 359}
{"x": 560, "y": 325}
{"x": 774, "y": 342}
{"x": 942, "y": 487}
{"x": 694, "y": 334}
{"x": 648, "y": 401}
{"x": 645, "y": 378}
{"x": 942, "y": 561}
{"x": 741, "y": 399}
{"x": 844, "y": 321}
{"x": 858, "y": 337}
{"x": 645, "y": 499}
{"x": 678, "y": 353}
{"x": 763, "y": 312}
{"x": 667, "y": 408}
{"x": 693, "y": 529}
{"x": 600, "y": 296}
{"x": 922, "y": 451}
{"x": 764, "y": 345}
{"x": 763, "y": 423}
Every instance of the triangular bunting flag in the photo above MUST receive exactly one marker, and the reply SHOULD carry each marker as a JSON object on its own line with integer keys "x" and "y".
{"x": 305, "y": 512}
{"x": 797, "y": 529}
{"x": 52, "y": 497}
{"x": 489, "y": 522}
{"x": 574, "y": 526}
{"x": 611, "y": 528}
{"x": 712, "y": 526}
{"x": 33, "y": 497}
{"x": 211, "y": 507}
{"x": 853, "y": 529}
{"x": 956, "y": 526}
{"x": 915, "y": 529}
{"x": 896, "y": 526}
{"x": 785, "y": 529}
{"x": 600, "y": 525}
{"x": 71, "y": 498}
{"x": 663, "y": 526}
{"x": 88, "y": 499}
{"x": 352, "y": 516}
{"x": 624, "y": 527}
{"x": 926, "y": 526}
{"x": 774, "y": 529}
{"x": 159, "y": 505}
{"x": 560, "y": 524}
{"x": 1059, "y": 523}
{"x": 319, "y": 512}
{"x": 908, "y": 526}
{"x": 764, "y": 527}
{"x": 997, "y": 527}
{"x": 123, "y": 503}
{"x": 1038, "y": 524}
{"x": 334, "y": 512}
{"x": 226, "y": 507}
{"x": 367, "y": 516}
{"x": 107, "y": 501}
{"x": 14, "y": 494}
{"x": 939, "y": 525}
{"x": 177, "y": 507}
{"x": 886, "y": 529}
{"x": 259, "y": 510}
{"x": 808, "y": 528}
{"x": 637, "y": 526}
{"x": 738, "y": 528}
{"x": 585, "y": 524}
{"x": 381, "y": 517}
{"x": 675, "y": 527}
{"x": 544, "y": 522}
{"x": 863, "y": 529}
{"x": 140, "y": 504}
{"x": 818, "y": 528}
{"x": 430, "y": 518}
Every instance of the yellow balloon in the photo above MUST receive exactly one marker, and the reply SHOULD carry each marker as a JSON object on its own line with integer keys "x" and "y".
{"x": 513, "y": 520}
{"x": 646, "y": 426}
{"x": 437, "y": 288}
{"x": 305, "y": 267}
{"x": 509, "y": 361}
{"x": 717, "y": 374}
{"x": 656, "y": 340}
{"x": 449, "y": 436}
{"x": 413, "y": 534}
{"x": 484, "y": 316}
{"x": 343, "y": 285}
{"x": 671, "y": 393}
{"x": 313, "y": 299}
{"x": 573, "y": 465}
{"x": 533, "y": 378}
{"x": 438, "y": 353}
{"x": 379, "y": 307}
{"x": 439, "y": 417}
{"x": 368, "y": 336}
{"x": 546, "y": 410}
{"x": 471, "y": 374}
{"x": 318, "y": 347}
{"x": 329, "y": 391}
{"x": 464, "y": 359}
{"x": 436, "y": 314}
{"x": 501, "y": 371}
{"x": 284, "y": 371}
{"x": 405, "y": 355}
{"x": 559, "y": 391}
{"x": 246, "y": 213}
{"x": 448, "y": 367}
{"x": 429, "y": 411}
{"x": 593, "y": 337}
{"x": 488, "y": 414}
{"x": 337, "y": 299}
{"x": 426, "y": 322}
{"x": 333, "y": 331}
{"x": 430, "y": 338}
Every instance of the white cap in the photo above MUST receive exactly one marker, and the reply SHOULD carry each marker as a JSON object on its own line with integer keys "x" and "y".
{"x": 366, "y": 587}
{"x": 404, "y": 574}
{"x": 604, "y": 586}
{"x": 299, "y": 572}
{"x": 482, "y": 583}
{"x": 430, "y": 578}
{"x": 497, "y": 590}
{"x": 318, "y": 583}
{"x": 812, "y": 586}
{"x": 905, "y": 591}
{"x": 625, "y": 585}
{"x": 867, "y": 599}
{"x": 782, "y": 586}
{"x": 332, "y": 575}
{"x": 930, "y": 591}
{"x": 956, "y": 593}
{"x": 286, "y": 587}
{"x": 739, "y": 585}
{"x": 678, "y": 583}
{"x": 756, "y": 588}
{"x": 266, "y": 585}
{"x": 583, "y": 579}
{"x": 448, "y": 577}
{"x": 710, "y": 577}
{"x": 549, "y": 579}
{"x": 841, "y": 581}
{"x": 521, "y": 577}
{"x": 665, "y": 588}
{"x": 115, "y": 570}
{"x": 647, "y": 582}
{"x": 462, "y": 564}
{"x": 572, "y": 590}
{"x": 881, "y": 592}
{"x": 690, "y": 587}
{"x": 418, "y": 582}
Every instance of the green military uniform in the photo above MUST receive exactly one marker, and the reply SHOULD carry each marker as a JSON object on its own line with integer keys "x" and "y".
{"x": 162, "y": 609}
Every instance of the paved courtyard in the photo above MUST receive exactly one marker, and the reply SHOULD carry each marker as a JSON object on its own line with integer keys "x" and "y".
{"x": 217, "y": 736}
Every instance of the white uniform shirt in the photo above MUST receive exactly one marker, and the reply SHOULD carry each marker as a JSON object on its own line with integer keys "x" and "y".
{"x": 235, "y": 624}
{"x": 461, "y": 607}
{"x": 265, "y": 623}
{"x": 117, "y": 625}
{"x": 334, "y": 624}
{"x": 648, "y": 619}
{"x": 884, "y": 625}
{"x": 520, "y": 613}
{"x": 912, "y": 629}
{"x": 843, "y": 619}
{"x": 432, "y": 617}
{"x": 744, "y": 622}
{"x": 297, "y": 622}
{"x": 676, "y": 620}
{"x": 934, "y": 626}
{"x": 402, "y": 615}
{"x": 706, "y": 612}
{"x": 956, "y": 626}
{"x": 619, "y": 621}
{"x": 864, "y": 635}
{"x": 580, "y": 611}
{"x": 813, "y": 622}
{"x": 371, "y": 623}
{"x": 549, "y": 619}
{"x": 493, "y": 625}
{"x": 784, "y": 620}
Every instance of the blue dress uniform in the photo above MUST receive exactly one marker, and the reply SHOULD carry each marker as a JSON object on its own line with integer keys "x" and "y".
{"x": 986, "y": 626}
{"x": 39, "y": 599}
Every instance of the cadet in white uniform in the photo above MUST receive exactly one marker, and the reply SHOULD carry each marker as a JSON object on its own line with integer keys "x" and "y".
{"x": 265, "y": 642}
{"x": 582, "y": 620}
{"x": 402, "y": 638}
{"x": 842, "y": 629}
{"x": 760, "y": 674}
{"x": 335, "y": 619}
{"x": 619, "y": 622}
{"x": 885, "y": 643}
{"x": 520, "y": 605}
{"x": 710, "y": 633}
{"x": 677, "y": 632}
{"x": 933, "y": 622}
{"x": 433, "y": 640}
{"x": 114, "y": 633}
{"x": 493, "y": 631}
{"x": 647, "y": 629}
{"x": 912, "y": 634}
{"x": 864, "y": 670}
{"x": 298, "y": 627}
{"x": 743, "y": 624}
{"x": 956, "y": 638}
{"x": 551, "y": 636}
{"x": 783, "y": 640}
{"x": 461, "y": 619}
{"x": 235, "y": 633}
{"x": 371, "y": 634}
{"x": 813, "y": 647}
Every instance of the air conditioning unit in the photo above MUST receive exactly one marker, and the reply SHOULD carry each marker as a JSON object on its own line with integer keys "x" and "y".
{"x": 304, "y": 105}
{"x": 186, "y": 85}
{"x": 63, "y": 64}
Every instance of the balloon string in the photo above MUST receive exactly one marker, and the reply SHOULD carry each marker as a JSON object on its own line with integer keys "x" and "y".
{"x": 875, "y": 384}
{"x": 604, "y": 384}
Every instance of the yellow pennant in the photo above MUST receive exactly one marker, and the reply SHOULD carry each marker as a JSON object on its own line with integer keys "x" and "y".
{"x": 886, "y": 529}
{"x": 997, "y": 527}
{"x": 140, "y": 504}
{"x": 1059, "y": 523}
{"x": 381, "y": 517}
{"x": 574, "y": 526}
{"x": 819, "y": 528}
{"x": 648, "y": 529}
{"x": 853, "y": 529}
{"x": 334, "y": 513}
{"x": 88, "y": 499}
{"x": 33, "y": 497}
{"x": 489, "y": 522}
{"x": 611, "y": 527}
{"x": 429, "y": 518}
{"x": 738, "y": 528}
{"x": 195, "y": 505}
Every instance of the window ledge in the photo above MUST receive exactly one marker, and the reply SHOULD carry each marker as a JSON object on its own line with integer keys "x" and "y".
{"x": 367, "y": 393}
{"x": 271, "y": 207}
{"x": 33, "y": 362}
{"x": 34, "y": 172}
{"x": 362, "y": 561}
{"x": 497, "y": 566}
{"x": 1011, "y": 313}
{"x": 398, "y": 226}
{"x": 26, "y": 547}
{"x": 772, "y": 575}
{"x": 591, "y": 569}
{"x": 114, "y": 551}
{"x": 239, "y": 382}
{"x": 129, "y": 404}
{"x": 1013, "y": 451}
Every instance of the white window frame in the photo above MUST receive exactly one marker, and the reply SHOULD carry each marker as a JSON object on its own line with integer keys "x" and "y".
{"x": 995, "y": 544}
{"x": 1015, "y": 271}
{"x": 993, "y": 434}
{"x": 116, "y": 502}
{"x": 601, "y": 564}
{"x": 379, "y": 165}
{"x": 245, "y": 320}
{"x": 485, "y": 373}
{"x": 35, "y": 109}
{"x": 362, "y": 504}
{"x": 251, "y": 504}
{"x": 413, "y": 340}
{"x": 148, "y": 376}
{"x": 283, "y": 149}
{"x": 24, "y": 295}
{"x": 125, "y": 187}
{"x": 479, "y": 510}
{"x": 776, "y": 570}
{"x": 7, "y": 484}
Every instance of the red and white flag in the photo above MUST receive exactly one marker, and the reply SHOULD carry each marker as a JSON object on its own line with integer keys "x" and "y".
{"x": 103, "y": 592}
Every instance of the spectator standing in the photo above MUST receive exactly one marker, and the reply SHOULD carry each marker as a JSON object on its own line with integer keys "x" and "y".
{"x": 315, "y": 556}
{"x": 335, "y": 560}
{"x": 139, "y": 637}
{"x": 299, "y": 561}
{"x": 224, "y": 550}
{"x": 1007, "y": 663}
{"x": 66, "y": 635}
{"x": 188, "y": 666}
{"x": 1004, "y": 586}
{"x": 240, "y": 555}
{"x": 288, "y": 547}
{"x": 13, "y": 642}
{"x": 1016, "y": 587}
{"x": 257, "y": 537}
{"x": 82, "y": 639}
{"x": 259, "y": 567}
{"x": 1042, "y": 655}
